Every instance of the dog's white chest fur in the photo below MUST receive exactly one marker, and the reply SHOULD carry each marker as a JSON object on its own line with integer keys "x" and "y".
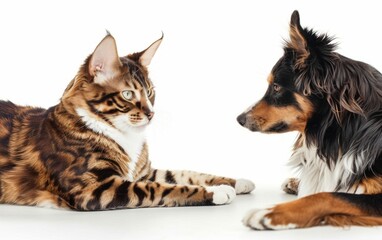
{"x": 315, "y": 175}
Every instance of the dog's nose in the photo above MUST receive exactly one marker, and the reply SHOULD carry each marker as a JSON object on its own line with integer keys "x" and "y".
{"x": 242, "y": 118}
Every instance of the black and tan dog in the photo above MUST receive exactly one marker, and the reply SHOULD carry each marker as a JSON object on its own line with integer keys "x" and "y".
{"x": 335, "y": 103}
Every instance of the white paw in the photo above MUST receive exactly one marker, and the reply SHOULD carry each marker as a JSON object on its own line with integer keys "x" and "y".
{"x": 244, "y": 186}
{"x": 290, "y": 185}
{"x": 256, "y": 219}
{"x": 223, "y": 194}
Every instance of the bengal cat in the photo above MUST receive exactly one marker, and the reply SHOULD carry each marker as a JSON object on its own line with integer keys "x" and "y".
{"x": 89, "y": 152}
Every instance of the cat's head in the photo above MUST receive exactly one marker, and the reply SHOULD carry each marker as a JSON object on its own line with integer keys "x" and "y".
{"x": 112, "y": 91}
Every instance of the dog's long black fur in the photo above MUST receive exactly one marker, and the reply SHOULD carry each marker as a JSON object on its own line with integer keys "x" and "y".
{"x": 336, "y": 105}
{"x": 347, "y": 98}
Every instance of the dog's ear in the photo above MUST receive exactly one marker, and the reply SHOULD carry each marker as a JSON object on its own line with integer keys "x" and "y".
{"x": 298, "y": 41}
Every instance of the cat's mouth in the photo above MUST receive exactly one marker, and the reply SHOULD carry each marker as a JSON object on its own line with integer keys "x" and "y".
{"x": 139, "y": 121}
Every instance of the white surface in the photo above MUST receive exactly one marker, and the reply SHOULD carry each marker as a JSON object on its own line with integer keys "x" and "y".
{"x": 212, "y": 64}
{"x": 219, "y": 222}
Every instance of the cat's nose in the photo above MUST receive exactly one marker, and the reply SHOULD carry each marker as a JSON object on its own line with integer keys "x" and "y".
{"x": 149, "y": 115}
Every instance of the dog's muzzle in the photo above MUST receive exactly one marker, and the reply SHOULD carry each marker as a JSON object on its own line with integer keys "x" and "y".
{"x": 242, "y": 119}
{"x": 247, "y": 123}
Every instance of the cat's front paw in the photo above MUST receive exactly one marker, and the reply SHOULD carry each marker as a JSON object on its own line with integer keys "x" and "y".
{"x": 244, "y": 186}
{"x": 222, "y": 194}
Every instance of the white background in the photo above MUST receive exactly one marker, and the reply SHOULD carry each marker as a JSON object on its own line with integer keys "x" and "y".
{"x": 212, "y": 64}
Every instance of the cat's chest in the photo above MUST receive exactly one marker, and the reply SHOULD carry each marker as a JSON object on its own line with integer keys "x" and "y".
{"x": 131, "y": 140}
{"x": 132, "y": 144}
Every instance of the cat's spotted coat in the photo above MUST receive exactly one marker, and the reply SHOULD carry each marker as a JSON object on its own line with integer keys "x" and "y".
{"x": 89, "y": 152}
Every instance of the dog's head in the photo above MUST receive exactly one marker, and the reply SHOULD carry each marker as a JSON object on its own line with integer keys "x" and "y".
{"x": 333, "y": 101}
{"x": 299, "y": 82}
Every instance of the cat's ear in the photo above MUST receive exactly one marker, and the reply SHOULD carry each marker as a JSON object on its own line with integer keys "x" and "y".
{"x": 148, "y": 54}
{"x": 104, "y": 62}
{"x": 298, "y": 41}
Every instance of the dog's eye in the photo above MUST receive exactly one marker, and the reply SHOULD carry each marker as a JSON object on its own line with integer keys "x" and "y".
{"x": 276, "y": 87}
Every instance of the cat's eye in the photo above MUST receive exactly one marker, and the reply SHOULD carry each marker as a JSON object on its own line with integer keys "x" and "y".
{"x": 150, "y": 92}
{"x": 127, "y": 95}
{"x": 276, "y": 87}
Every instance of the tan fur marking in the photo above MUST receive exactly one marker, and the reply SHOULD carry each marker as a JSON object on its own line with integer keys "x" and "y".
{"x": 270, "y": 78}
{"x": 266, "y": 115}
{"x": 306, "y": 113}
{"x": 316, "y": 208}
{"x": 371, "y": 185}
{"x": 298, "y": 43}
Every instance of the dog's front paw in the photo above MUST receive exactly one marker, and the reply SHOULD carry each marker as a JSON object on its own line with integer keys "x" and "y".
{"x": 265, "y": 219}
{"x": 244, "y": 186}
{"x": 222, "y": 194}
{"x": 290, "y": 185}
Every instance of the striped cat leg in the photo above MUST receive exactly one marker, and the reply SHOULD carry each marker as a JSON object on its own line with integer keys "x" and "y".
{"x": 241, "y": 186}
{"x": 49, "y": 200}
{"x": 32, "y": 197}
{"x": 116, "y": 193}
